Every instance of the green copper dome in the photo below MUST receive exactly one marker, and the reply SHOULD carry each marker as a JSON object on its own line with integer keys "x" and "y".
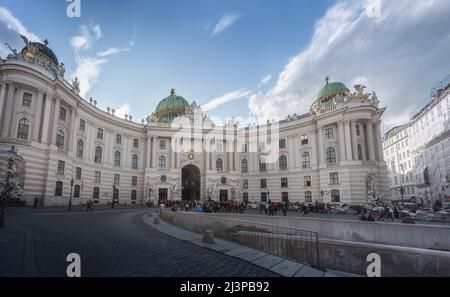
{"x": 331, "y": 90}
{"x": 171, "y": 107}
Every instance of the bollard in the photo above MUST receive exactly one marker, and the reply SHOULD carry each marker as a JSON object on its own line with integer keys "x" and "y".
{"x": 156, "y": 221}
{"x": 208, "y": 237}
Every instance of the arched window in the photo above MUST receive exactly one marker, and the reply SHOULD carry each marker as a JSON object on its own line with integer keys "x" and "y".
{"x": 76, "y": 191}
{"x": 162, "y": 162}
{"x": 59, "y": 189}
{"x": 219, "y": 164}
{"x": 306, "y": 160}
{"x": 283, "y": 163}
{"x": 24, "y": 129}
{"x": 98, "y": 154}
{"x": 360, "y": 155}
{"x": 133, "y": 195}
{"x": 244, "y": 166}
{"x": 135, "y": 162}
{"x": 60, "y": 139}
{"x": 96, "y": 193}
{"x": 117, "y": 157}
{"x": 80, "y": 148}
{"x": 330, "y": 155}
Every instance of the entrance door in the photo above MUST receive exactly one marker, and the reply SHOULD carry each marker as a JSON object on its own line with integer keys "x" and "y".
{"x": 191, "y": 183}
{"x": 116, "y": 195}
{"x": 223, "y": 195}
{"x": 162, "y": 194}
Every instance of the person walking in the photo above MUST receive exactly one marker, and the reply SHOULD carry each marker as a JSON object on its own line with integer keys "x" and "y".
{"x": 36, "y": 203}
{"x": 390, "y": 214}
{"x": 89, "y": 206}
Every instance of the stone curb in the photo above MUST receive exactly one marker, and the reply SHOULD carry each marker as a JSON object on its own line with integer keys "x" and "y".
{"x": 277, "y": 265}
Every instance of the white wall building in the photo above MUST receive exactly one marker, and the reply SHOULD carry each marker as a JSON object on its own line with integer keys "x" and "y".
{"x": 400, "y": 162}
{"x": 332, "y": 154}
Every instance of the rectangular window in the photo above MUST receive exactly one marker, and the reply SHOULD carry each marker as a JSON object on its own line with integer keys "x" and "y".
{"x": 262, "y": 166}
{"x": 329, "y": 133}
{"x": 162, "y": 145}
{"x": 78, "y": 173}
{"x": 304, "y": 139}
{"x": 307, "y": 181}
{"x": 82, "y": 125}
{"x": 282, "y": 143}
{"x": 134, "y": 181}
{"x": 334, "y": 178}
{"x": 136, "y": 143}
{"x": 358, "y": 130}
{"x": 116, "y": 179}
{"x": 284, "y": 182}
{"x": 27, "y": 99}
{"x": 335, "y": 196}
{"x": 263, "y": 197}
{"x": 62, "y": 113}
{"x": 245, "y": 147}
{"x": 245, "y": 184}
{"x": 98, "y": 177}
{"x": 118, "y": 139}
{"x": 308, "y": 197}
{"x": 263, "y": 183}
{"x": 61, "y": 166}
{"x": 219, "y": 147}
{"x": 100, "y": 133}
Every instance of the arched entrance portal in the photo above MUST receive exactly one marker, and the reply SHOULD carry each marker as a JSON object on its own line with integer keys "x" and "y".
{"x": 190, "y": 183}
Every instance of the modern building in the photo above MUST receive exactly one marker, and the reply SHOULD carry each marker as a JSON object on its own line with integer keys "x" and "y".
{"x": 332, "y": 154}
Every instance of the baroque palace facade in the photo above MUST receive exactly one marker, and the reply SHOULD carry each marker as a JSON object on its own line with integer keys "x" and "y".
{"x": 332, "y": 154}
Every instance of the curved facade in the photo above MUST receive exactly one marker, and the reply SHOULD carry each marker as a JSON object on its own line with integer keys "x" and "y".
{"x": 332, "y": 154}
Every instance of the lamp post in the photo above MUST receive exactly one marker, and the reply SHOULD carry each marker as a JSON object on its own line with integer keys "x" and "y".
{"x": 70, "y": 198}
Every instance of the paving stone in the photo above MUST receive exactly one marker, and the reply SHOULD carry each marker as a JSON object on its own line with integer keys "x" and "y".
{"x": 268, "y": 261}
{"x": 251, "y": 256}
{"x": 287, "y": 268}
{"x": 308, "y": 271}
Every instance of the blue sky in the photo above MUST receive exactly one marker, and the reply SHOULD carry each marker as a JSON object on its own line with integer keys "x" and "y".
{"x": 261, "y": 58}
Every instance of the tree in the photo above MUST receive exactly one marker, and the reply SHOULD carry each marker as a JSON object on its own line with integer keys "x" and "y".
{"x": 9, "y": 190}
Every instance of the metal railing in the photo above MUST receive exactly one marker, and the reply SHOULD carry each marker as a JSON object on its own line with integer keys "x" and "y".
{"x": 286, "y": 242}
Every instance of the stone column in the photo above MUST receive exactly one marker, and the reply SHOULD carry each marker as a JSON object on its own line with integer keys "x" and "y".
{"x": 46, "y": 119}
{"x": 292, "y": 152}
{"x": 55, "y": 120}
{"x": 370, "y": 140}
{"x": 348, "y": 140}
{"x": 320, "y": 144}
{"x": 314, "y": 152}
{"x": 172, "y": 157}
{"x": 237, "y": 166}
{"x": 8, "y": 109}
{"x": 13, "y": 120}
{"x": 208, "y": 155}
{"x": 155, "y": 139}
{"x": 3, "y": 89}
{"x": 342, "y": 140}
{"x": 378, "y": 141}
{"x": 354, "y": 141}
{"x": 38, "y": 117}
{"x": 71, "y": 142}
{"x": 230, "y": 162}
{"x": 148, "y": 151}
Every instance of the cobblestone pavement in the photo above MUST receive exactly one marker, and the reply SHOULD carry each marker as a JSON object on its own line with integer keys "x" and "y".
{"x": 110, "y": 243}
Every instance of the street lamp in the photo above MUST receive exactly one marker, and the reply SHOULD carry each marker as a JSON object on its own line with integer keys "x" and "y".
{"x": 70, "y": 199}
{"x": 402, "y": 192}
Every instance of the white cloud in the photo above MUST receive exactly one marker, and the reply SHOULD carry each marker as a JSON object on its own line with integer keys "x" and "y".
{"x": 113, "y": 51}
{"x": 216, "y": 102}
{"x": 399, "y": 55}
{"x": 224, "y": 23}
{"x": 266, "y": 79}
{"x": 89, "y": 64}
{"x": 10, "y": 31}
{"x": 123, "y": 110}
